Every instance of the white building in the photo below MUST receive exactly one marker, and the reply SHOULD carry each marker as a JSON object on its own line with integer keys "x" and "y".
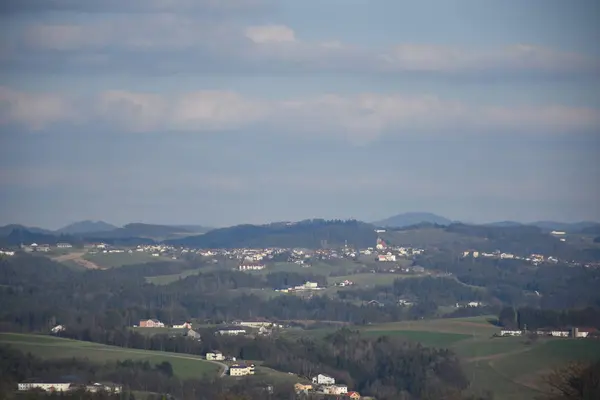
{"x": 507, "y": 332}
{"x": 48, "y": 387}
{"x": 251, "y": 267}
{"x": 386, "y": 257}
{"x": 323, "y": 379}
{"x": 231, "y": 332}
{"x": 185, "y": 325}
{"x": 64, "y": 245}
{"x": 215, "y": 356}
{"x": 241, "y": 370}
{"x": 335, "y": 389}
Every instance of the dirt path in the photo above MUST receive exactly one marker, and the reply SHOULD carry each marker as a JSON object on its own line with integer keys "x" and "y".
{"x": 492, "y": 357}
{"x": 78, "y": 259}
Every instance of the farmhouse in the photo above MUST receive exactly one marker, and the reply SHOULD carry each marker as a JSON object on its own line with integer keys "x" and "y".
{"x": 45, "y": 386}
{"x": 103, "y": 387}
{"x": 386, "y": 257}
{"x": 302, "y": 388}
{"x": 507, "y": 332}
{"x": 250, "y": 266}
{"x": 231, "y": 332}
{"x": 323, "y": 379}
{"x": 241, "y": 370}
{"x": 335, "y": 389}
{"x": 582, "y": 332}
{"x": 185, "y": 325}
{"x": 215, "y": 355}
{"x": 151, "y": 323}
{"x": 192, "y": 334}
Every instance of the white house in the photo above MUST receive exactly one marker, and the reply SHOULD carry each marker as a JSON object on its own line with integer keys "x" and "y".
{"x": 48, "y": 387}
{"x": 506, "y": 332}
{"x": 559, "y": 333}
{"x": 241, "y": 370}
{"x": 335, "y": 389}
{"x": 185, "y": 325}
{"x": 215, "y": 356}
{"x": 323, "y": 379}
{"x": 57, "y": 329}
{"x": 386, "y": 257}
{"x": 231, "y": 332}
{"x": 64, "y": 245}
{"x": 251, "y": 267}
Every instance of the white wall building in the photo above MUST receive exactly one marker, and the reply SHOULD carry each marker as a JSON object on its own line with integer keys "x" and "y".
{"x": 48, "y": 387}
{"x": 323, "y": 379}
{"x": 215, "y": 356}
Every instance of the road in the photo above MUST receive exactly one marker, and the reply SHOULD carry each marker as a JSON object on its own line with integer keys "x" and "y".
{"x": 224, "y": 367}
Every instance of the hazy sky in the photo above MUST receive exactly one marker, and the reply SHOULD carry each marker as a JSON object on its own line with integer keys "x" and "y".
{"x": 220, "y": 112}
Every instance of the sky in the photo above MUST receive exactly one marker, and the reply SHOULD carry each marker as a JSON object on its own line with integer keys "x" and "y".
{"x": 221, "y": 112}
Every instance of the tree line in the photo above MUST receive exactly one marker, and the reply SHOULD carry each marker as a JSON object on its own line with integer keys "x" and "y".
{"x": 535, "y": 318}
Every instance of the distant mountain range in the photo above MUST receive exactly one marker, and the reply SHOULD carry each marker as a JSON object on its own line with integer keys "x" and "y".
{"x": 310, "y": 233}
{"x": 99, "y": 231}
{"x": 417, "y": 218}
{"x": 313, "y": 234}
{"x": 83, "y": 227}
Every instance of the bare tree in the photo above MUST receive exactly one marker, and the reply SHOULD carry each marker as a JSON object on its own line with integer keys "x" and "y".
{"x": 575, "y": 381}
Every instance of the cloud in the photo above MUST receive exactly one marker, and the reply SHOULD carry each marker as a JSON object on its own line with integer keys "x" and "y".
{"x": 270, "y": 34}
{"x": 180, "y": 43}
{"x": 359, "y": 118}
{"x": 34, "y": 111}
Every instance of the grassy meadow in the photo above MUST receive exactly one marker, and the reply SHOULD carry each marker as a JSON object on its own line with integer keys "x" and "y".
{"x": 49, "y": 347}
{"x": 508, "y": 367}
{"x": 115, "y": 260}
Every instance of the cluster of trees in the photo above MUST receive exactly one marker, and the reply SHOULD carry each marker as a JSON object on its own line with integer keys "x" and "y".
{"x": 429, "y": 293}
{"x": 516, "y": 282}
{"x": 534, "y": 318}
{"x": 312, "y": 234}
{"x": 574, "y": 381}
{"x": 16, "y": 366}
{"x": 387, "y": 368}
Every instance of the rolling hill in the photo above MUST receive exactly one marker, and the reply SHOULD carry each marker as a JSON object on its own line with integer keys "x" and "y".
{"x": 87, "y": 226}
{"x": 412, "y": 218}
{"x": 307, "y": 234}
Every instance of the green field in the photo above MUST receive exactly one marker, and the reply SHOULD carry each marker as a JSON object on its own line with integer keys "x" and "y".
{"x": 369, "y": 279}
{"x": 167, "y": 279}
{"x": 510, "y": 368}
{"x": 113, "y": 260}
{"x": 426, "y": 338}
{"x": 49, "y": 347}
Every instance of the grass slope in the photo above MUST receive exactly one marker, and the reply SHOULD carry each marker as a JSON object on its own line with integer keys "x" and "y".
{"x": 49, "y": 347}
{"x": 509, "y": 368}
{"x": 114, "y": 260}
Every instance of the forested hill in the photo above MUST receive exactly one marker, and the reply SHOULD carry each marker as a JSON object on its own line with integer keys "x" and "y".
{"x": 313, "y": 234}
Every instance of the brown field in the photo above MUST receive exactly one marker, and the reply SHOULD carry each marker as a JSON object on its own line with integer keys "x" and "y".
{"x": 77, "y": 258}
